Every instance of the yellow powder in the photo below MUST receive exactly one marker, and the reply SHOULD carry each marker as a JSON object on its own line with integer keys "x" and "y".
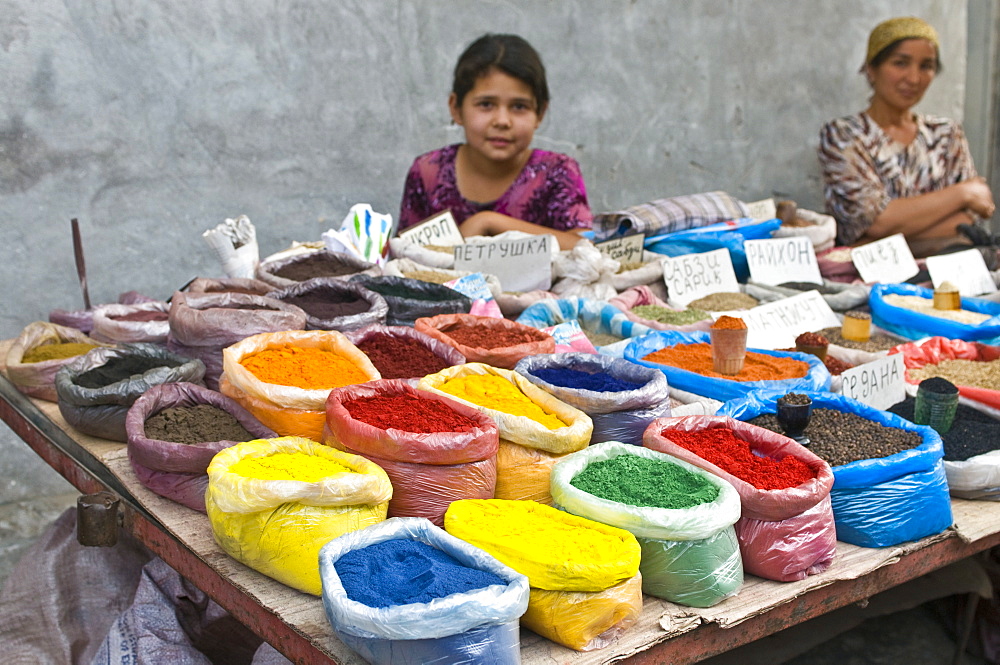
{"x": 288, "y": 466}
{"x": 303, "y": 367}
{"x": 56, "y": 351}
{"x": 497, "y": 393}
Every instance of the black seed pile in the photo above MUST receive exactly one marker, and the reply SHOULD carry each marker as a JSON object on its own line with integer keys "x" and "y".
{"x": 973, "y": 432}
{"x": 840, "y": 438}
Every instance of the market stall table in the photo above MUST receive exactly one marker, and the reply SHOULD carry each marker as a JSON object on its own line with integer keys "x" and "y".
{"x": 296, "y": 625}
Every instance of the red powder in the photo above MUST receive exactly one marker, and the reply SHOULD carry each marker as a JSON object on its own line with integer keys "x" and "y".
{"x": 408, "y": 413}
{"x": 401, "y": 357}
{"x": 722, "y": 448}
{"x": 482, "y": 337}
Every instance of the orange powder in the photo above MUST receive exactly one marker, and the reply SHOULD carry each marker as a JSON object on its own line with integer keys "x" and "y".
{"x": 757, "y": 366}
{"x": 303, "y": 367}
{"x": 729, "y": 323}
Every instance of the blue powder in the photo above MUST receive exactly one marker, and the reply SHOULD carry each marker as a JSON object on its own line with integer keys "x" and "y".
{"x": 574, "y": 378}
{"x": 399, "y": 572}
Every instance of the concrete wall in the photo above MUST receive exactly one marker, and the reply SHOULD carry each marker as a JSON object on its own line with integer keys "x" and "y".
{"x": 154, "y": 121}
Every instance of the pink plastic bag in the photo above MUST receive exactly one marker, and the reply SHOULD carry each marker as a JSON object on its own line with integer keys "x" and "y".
{"x": 785, "y": 535}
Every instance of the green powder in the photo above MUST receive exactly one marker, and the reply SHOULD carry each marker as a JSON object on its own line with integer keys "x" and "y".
{"x": 647, "y": 483}
{"x": 671, "y": 316}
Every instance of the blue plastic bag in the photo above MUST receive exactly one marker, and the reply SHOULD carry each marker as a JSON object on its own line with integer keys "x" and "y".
{"x": 593, "y": 315}
{"x": 916, "y": 325}
{"x": 729, "y": 235}
{"x": 817, "y": 377}
{"x": 882, "y": 501}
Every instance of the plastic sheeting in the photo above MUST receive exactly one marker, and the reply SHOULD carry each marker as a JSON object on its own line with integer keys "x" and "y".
{"x": 617, "y": 415}
{"x": 725, "y": 235}
{"x": 785, "y": 535}
{"x": 178, "y": 471}
{"x": 592, "y": 315}
{"x": 38, "y": 379}
{"x": 101, "y": 411}
{"x": 690, "y": 556}
{"x": 916, "y": 325}
{"x": 337, "y": 290}
{"x": 108, "y": 327}
{"x": 501, "y": 356}
{"x": 817, "y": 377}
{"x": 277, "y": 527}
{"x": 877, "y": 502}
{"x": 475, "y": 627}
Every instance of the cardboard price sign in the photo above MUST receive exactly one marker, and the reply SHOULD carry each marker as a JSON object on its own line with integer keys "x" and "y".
{"x": 627, "y": 250}
{"x": 879, "y": 383}
{"x": 775, "y": 325}
{"x": 967, "y": 270}
{"x": 779, "y": 260}
{"x": 694, "y": 276}
{"x": 521, "y": 265}
{"x": 440, "y": 229}
{"x": 888, "y": 260}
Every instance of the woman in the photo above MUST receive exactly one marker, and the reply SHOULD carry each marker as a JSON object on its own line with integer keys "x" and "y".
{"x": 889, "y": 170}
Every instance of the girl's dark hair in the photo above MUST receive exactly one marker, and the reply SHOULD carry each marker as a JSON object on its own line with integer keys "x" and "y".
{"x": 884, "y": 54}
{"x": 508, "y": 53}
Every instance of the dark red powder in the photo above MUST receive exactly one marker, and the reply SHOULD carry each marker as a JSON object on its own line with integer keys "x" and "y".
{"x": 401, "y": 357}
{"x": 142, "y": 315}
{"x": 408, "y": 413}
{"x": 722, "y": 448}
{"x": 482, "y": 337}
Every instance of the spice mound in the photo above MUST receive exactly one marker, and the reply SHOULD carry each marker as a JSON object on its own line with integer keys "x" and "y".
{"x": 481, "y": 337}
{"x": 724, "y": 301}
{"x": 926, "y": 306}
{"x": 962, "y": 372}
{"x": 723, "y": 448}
{"x": 499, "y": 394}
{"x": 400, "y": 357}
{"x": 575, "y": 378}
{"x": 697, "y": 358}
{"x": 877, "y": 342}
{"x": 400, "y": 572}
{"x": 329, "y": 303}
{"x": 303, "y": 367}
{"x": 119, "y": 368}
{"x": 317, "y": 264}
{"x": 408, "y": 413}
{"x": 195, "y": 424}
{"x": 972, "y": 433}
{"x": 646, "y": 483}
{"x": 288, "y": 466}
{"x": 670, "y": 316}
{"x": 59, "y": 351}
{"x": 729, "y": 323}
{"x": 841, "y": 438}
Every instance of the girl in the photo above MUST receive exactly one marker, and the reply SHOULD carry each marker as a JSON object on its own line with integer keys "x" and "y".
{"x": 495, "y": 181}
{"x": 889, "y": 170}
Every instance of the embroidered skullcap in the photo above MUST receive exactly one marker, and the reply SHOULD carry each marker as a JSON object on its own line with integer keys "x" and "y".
{"x": 906, "y": 27}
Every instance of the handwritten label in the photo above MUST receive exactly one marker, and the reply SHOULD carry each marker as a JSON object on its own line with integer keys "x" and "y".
{"x": 763, "y": 209}
{"x": 780, "y": 260}
{"x": 879, "y": 383}
{"x": 775, "y": 325}
{"x": 440, "y": 229}
{"x": 967, "y": 270}
{"x": 521, "y": 265}
{"x": 888, "y": 260}
{"x": 627, "y": 250}
{"x": 694, "y": 276}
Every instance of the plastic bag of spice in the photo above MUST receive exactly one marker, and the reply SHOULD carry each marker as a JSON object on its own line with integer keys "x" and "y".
{"x": 298, "y": 266}
{"x": 435, "y": 450}
{"x": 690, "y": 555}
{"x": 202, "y": 324}
{"x": 814, "y": 375}
{"x": 914, "y": 324}
{"x": 937, "y": 350}
{"x": 286, "y": 408}
{"x": 620, "y": 397}
{"x": 867, "y": 508}
{"x": 484, "y": 339}
{"x": 96, "y": 390}
{"x": 479, "y": 625}
{"x": 607, "y": 327}
{"x": 273, "y": 503}
{"x": 253, "y": 287}
{"x": 411, "y": 299}
{"x": 334, "y": 304}
{"x": 38, "y": 354}
{"x": 785, "y": 534}
{"x": 643, "y": 295}
{"x": 399, "y": 352}
{"x": 142, "y": 322}
{"x": 174, "y": 469}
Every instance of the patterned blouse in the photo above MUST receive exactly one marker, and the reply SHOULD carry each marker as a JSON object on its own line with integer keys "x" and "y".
{"x": 864, "y": 169}
{"x": 549, "y": 191}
